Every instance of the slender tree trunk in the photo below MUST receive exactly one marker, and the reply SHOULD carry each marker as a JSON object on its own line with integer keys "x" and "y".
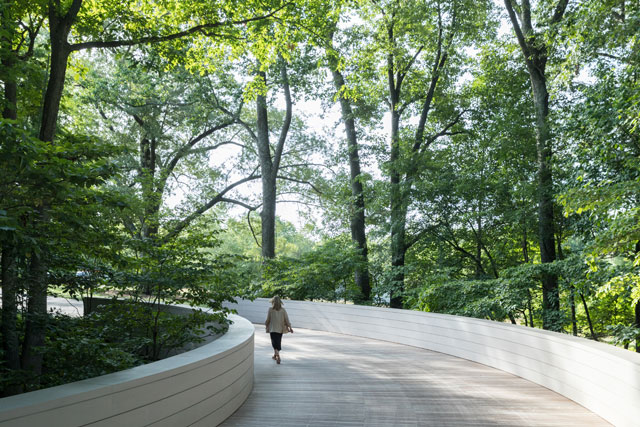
{"x": 530, "y": 307}
{"x": 525, "y": 244}
{"x": 546, "y": 228}
{"x": 398, "y": 215}
{"x": 479, "y": 268}
{"x": 586, "y": 310}
{"x": 397, "y": 202}
{"x": 572, "y": 293}
{"x": 525, "y": 256}
{"x": 572, "y": 302}
{"x": 536, "y": 52}
{"x": 357, "y": 223}
{"x": 151, "y": 197}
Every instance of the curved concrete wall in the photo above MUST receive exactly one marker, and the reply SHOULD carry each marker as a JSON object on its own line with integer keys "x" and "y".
{"x": 602, "y": 378}
{"x": 201, "y": 387}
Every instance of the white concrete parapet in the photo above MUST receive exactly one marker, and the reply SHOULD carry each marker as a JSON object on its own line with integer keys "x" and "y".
{"x": 201, "y": 387}
{"x": 601, "y": 377}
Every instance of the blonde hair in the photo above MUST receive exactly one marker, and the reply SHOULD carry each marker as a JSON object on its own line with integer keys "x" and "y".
{"x": 276, "y": 303}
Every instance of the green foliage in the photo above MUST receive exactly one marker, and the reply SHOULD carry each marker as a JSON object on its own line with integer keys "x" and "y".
{"x": 471, "y": 298}
{"x": 324, "y": 273}
{"x": 79, "y": 348}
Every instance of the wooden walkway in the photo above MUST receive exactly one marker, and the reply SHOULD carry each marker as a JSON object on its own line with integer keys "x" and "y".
{"x": 328, "y": 379}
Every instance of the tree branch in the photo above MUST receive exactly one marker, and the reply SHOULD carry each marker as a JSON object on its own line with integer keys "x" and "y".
{"x": 286, "y": 178}
{"x": 185, "y": 148}
{"x": 181, "y": 225}
{"x": 445, "y": 132}
{"x": 239, "y": 203}
{"x": 438, "y": 64}
{"x": 99, "y": 44}
{"x": 558, "y": 13}
{"x": 403, "y": 73}
{"x": 253, "y": 233}
{"x": 519, "y": 34}
{"x": 287, "y": 118}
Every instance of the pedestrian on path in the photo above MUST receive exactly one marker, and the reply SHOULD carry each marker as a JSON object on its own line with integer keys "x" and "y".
{"x": 277, "y": 324}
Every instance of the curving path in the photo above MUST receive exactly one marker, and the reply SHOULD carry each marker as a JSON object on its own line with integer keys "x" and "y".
{"x": 328, "y": 379}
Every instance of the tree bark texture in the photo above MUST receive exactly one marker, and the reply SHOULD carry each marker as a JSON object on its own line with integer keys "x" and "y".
{"x": 398, "y": 208}
{"x": 268, "y": 213}
{"x": 270, "y": 164}
{"x": 357, "y": 220}
{"x": 60, "y": 26}
{"x": 546, "y": 227}
{"x": 36, "y": 317}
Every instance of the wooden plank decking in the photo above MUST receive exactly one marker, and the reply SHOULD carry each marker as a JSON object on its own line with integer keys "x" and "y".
{"x": 328, "y": 379}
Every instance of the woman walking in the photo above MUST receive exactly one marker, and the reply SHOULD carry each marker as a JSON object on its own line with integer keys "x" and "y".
{"x": 277, "y": 324}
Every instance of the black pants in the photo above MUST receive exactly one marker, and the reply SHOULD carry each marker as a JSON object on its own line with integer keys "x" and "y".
{"x": 276, "y": 340}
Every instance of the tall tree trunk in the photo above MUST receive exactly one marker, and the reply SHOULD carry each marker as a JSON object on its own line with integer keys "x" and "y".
{"x": 536, "y": 52}
{"x": 398, "y": 215}
{"x": 270, "y": 163}
{"x": 268, "y": 213}
{"x": 546, "y": 229}
{"x": 35, "y": 327}
{"x": 397, "y": 197}
{"x": 357, "y": 220}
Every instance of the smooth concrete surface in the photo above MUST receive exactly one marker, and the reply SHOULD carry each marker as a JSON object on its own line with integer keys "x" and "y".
{"x": 329, "y": 379}
{"x": 600, "y": 377}
{"x": 201, "y": 387}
